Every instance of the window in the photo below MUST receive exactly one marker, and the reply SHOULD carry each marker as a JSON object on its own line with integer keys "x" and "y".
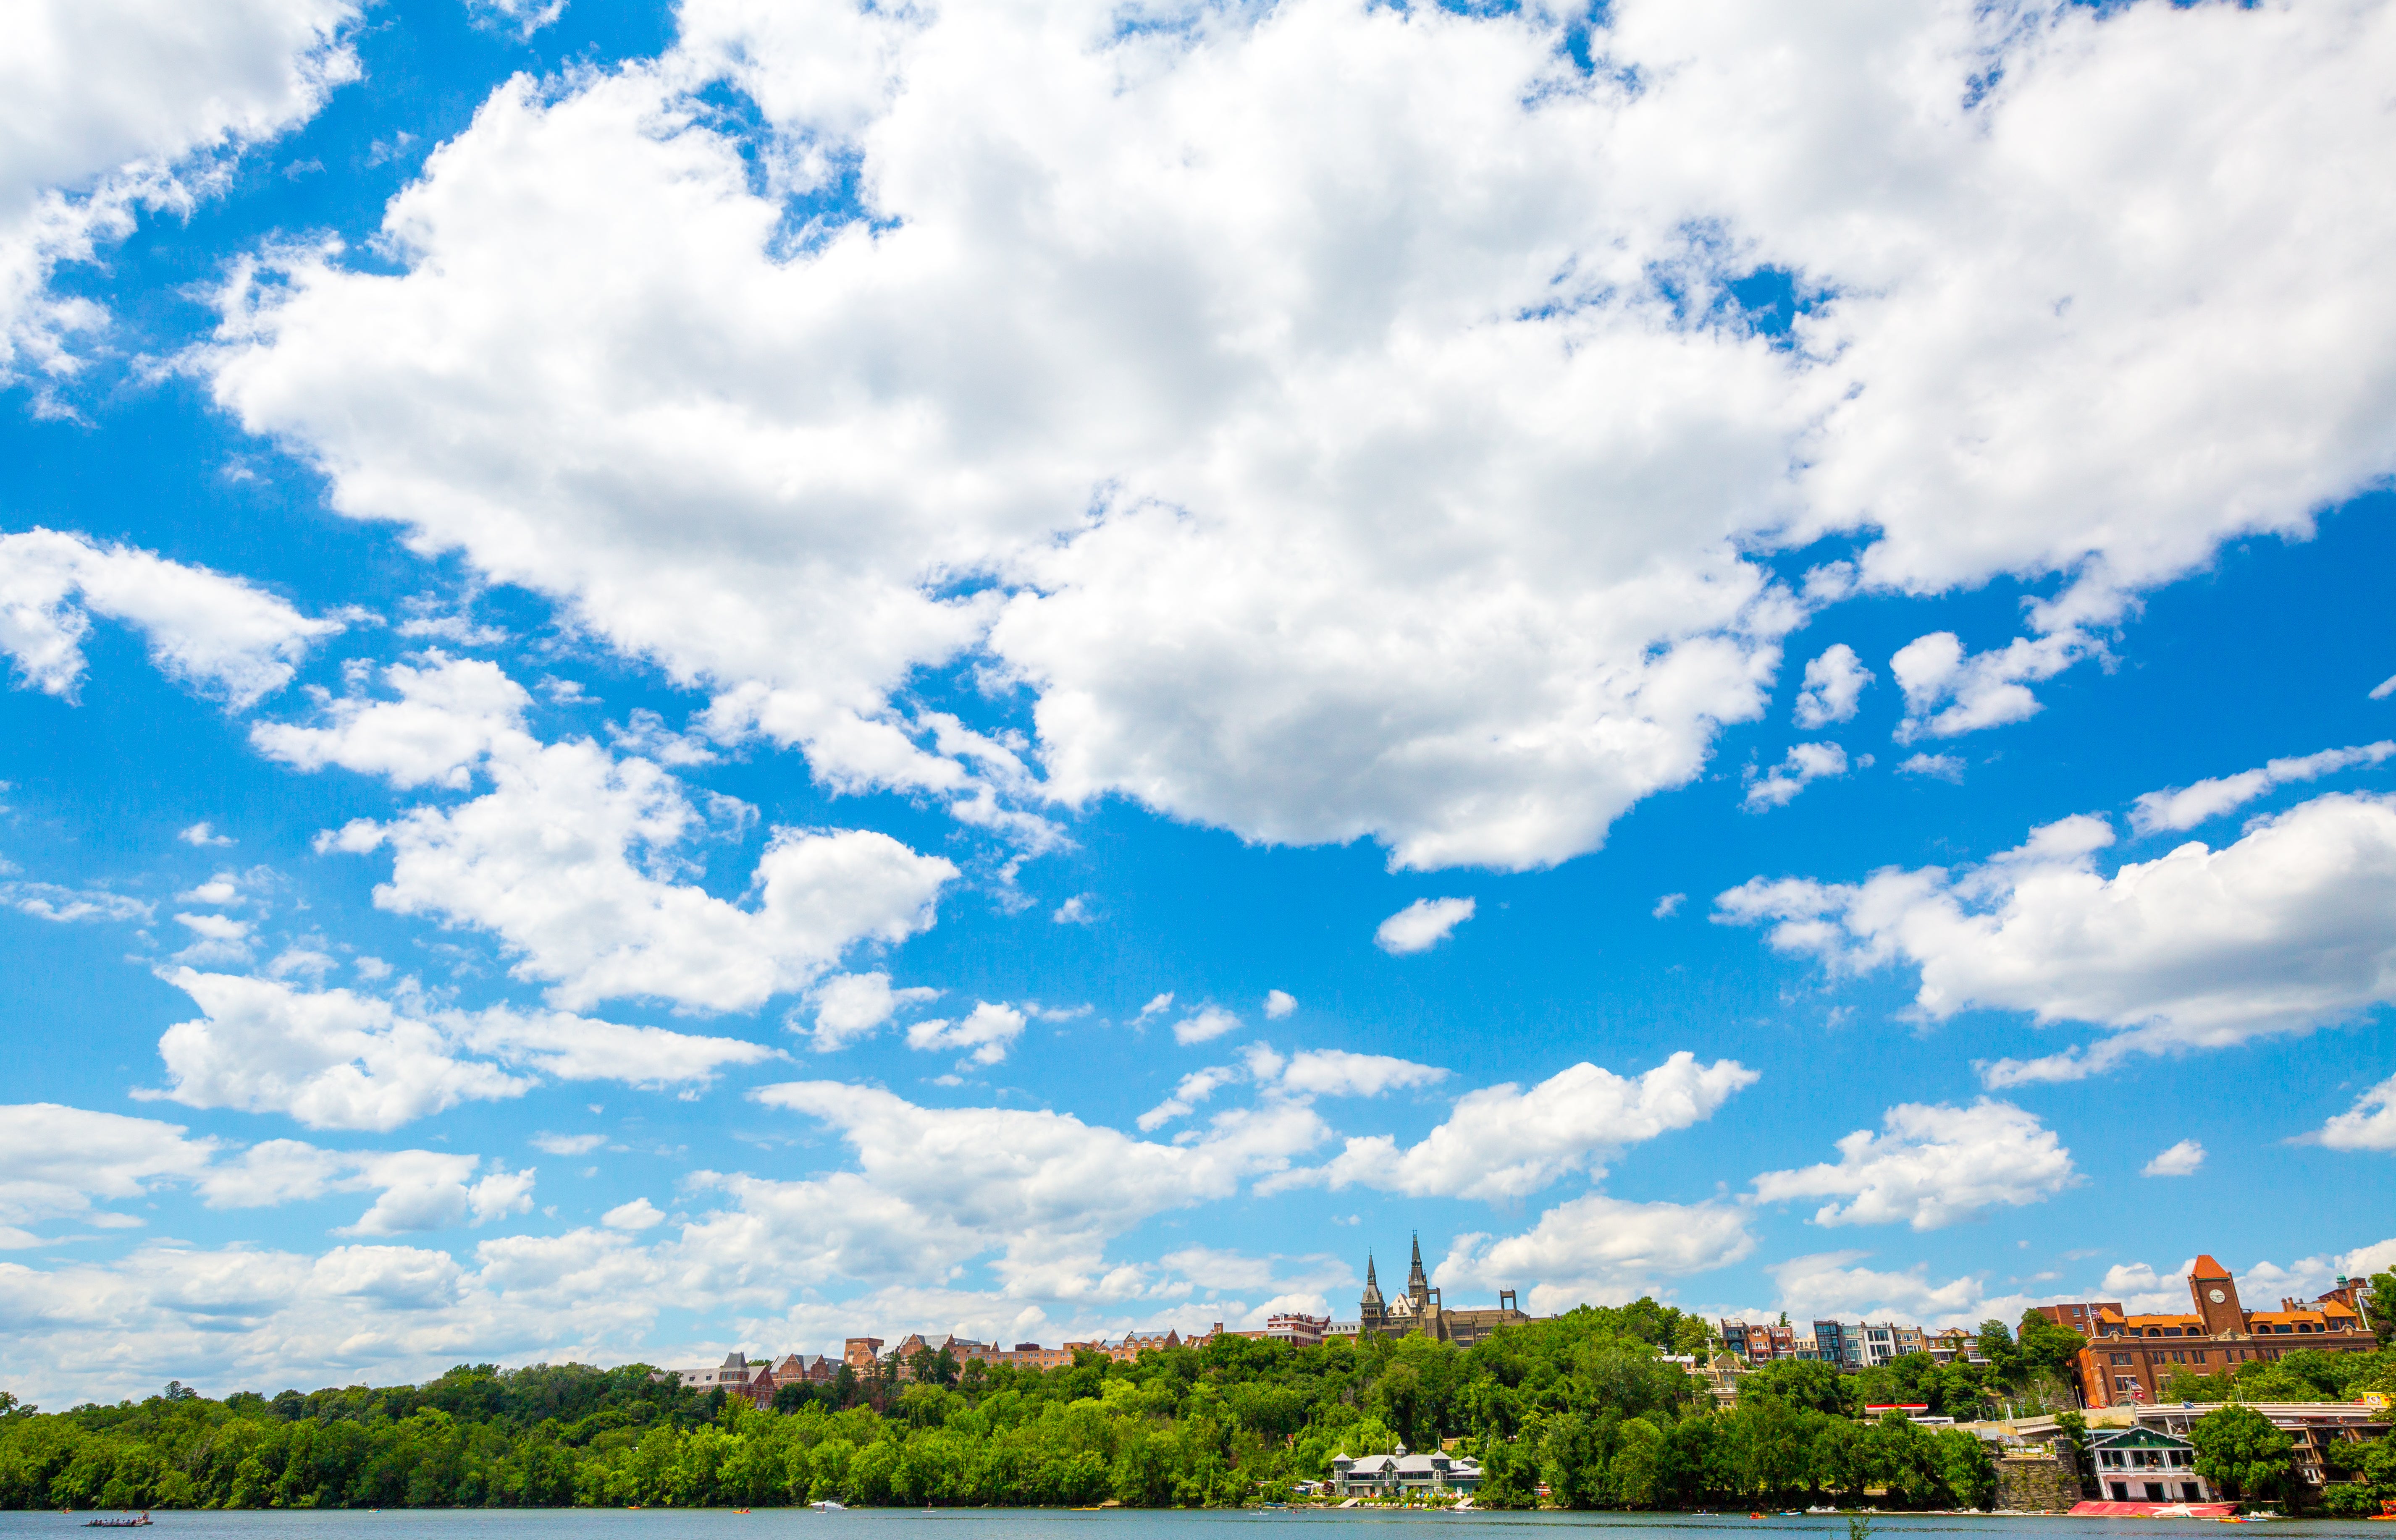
{"x": 2200, "y": 1355}
{"x": 2121, "y": 1358}
{"x": 2189, "y": 1493}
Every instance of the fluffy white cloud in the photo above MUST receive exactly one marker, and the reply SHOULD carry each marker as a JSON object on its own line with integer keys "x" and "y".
{"x": 638, "y": 1214}
{"x": 1343, "y": 402}
{"x": 1946, "y": 767}
{"x": 2197, "y": 949}
{"x": 1421, "y": 926}
{"x": 522, "y": 17}
{"x": 117, "y": 104}
{"x": 329, "y": 1059}
{"x": 547, "y": 859}
{"x": 1834, "y": 682}
{"x": 449, "y": 714}
{"x": 1598, "y": 1250}
{"x": 2185, "y": 807}
{"x": 1204, "y": 1025}
{"x": 2369, "y": 1124}
{"x": 334, "y": 1058}
{"x": 65, "y": 904}
{"x": 850, "y": 1006}
{"x": 418, "y": 1189}
{"x": 1504, "y": 1142}
{"x": 1335, "y": 1073}
{"x": 984, "y": 1036}
{"x": 1195, "y": 1087}
{"x": 240, "y": 1315}
{"x": 568, "y": 1144}
{"x": 2184, "y": 1158}
{"x": 1279, "y": 1003}
{"x": 55, "y": 1159}
{"x": 577, "y": 1048}
{"x": 203, "y": 834}
{"x": 1931, "y": 1166}
{"x": 936, "y": 1186}
{"x": 1302, "y": 1076}
{"x": 1829, "y": 1284}
{"x": 1949, "y": 692}
{"x": 1803, "y": 764}
{"x": 226, "y": 637}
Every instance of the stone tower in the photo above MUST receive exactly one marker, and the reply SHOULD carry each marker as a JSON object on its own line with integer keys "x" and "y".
{"x": 1372, "y": 1314}
{"x": 1418, "y": 1287}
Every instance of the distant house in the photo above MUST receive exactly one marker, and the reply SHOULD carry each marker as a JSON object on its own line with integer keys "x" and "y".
{"x": 1390, "y": 1475}
{"x": 2142, "y": 1465}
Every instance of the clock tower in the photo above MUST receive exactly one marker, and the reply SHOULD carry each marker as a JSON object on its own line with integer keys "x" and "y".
{"x": 2216, "y": 1294}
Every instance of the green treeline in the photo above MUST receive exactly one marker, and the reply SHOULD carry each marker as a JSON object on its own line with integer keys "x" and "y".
{"x": 1584, "y": 1404}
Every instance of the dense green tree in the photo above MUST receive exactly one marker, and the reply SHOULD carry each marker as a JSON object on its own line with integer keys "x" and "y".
{"x": 1586, "y": 1403}
{"x": 2241, "y": 1452}
{"x": 2041, "y": 1344}
{"x": 1801, "y": 1382}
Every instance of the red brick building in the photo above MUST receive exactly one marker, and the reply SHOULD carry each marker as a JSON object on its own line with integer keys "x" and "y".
{"x": 2130, "y": 1359}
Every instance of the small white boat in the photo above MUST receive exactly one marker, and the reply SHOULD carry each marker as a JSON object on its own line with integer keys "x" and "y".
{"x": 829, "y": 1506}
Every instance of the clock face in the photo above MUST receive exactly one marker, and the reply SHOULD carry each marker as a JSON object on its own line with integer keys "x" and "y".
{"x": 2217, "y": 1296}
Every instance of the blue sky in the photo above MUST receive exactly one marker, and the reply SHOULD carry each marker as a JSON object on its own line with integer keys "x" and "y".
{"x": 709, "y": 678}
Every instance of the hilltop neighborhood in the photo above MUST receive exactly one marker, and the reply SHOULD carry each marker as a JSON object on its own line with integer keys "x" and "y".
{"x": 2122, "y": 1438}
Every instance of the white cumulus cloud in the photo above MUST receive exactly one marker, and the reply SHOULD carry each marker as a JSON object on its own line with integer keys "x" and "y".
{"x": 2183, "y": 1158}
{"x": 1803, "y": 764}
{"x": 1503, "y": 1141}
{"x": 1597, "y": 1250}
{"x": 1834, "y": 682}
{"x": 115, "y": 105}
{"x": 1457, "y": 544}
{"x": 853, "y": 1006}
{"x": 1932, "y": 1165}
{"x": 2185, "y": 807}
{"x": 2369, "y": 1124}
{"x": 329, "y": 1059}
{"x": 551, "y": 858}
{"x": 984, "y": 1036}
{"x": 1421, "y": 926}
{"x": 226, "y": 637}
{"x": 2278, "y": 932}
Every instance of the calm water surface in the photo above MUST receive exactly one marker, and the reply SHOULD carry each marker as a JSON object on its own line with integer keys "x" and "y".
{"x": 1058, "y": 1524}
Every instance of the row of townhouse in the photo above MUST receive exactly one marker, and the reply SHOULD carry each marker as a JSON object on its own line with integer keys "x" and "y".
{"x": 2129, "y": 1358}
{"x": 759, "y": 1378}
{"x": 1846, "y": 1345}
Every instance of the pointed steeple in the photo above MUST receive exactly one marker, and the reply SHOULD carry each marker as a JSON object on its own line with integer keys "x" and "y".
{"x": 1415, "y": 1281}
{"x": 1372, "y": 1284}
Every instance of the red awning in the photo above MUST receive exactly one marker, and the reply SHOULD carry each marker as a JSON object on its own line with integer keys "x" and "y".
{"x": 2153, "y": 1510}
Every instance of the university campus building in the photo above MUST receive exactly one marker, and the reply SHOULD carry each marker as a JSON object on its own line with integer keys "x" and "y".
{"x": 1420, "y": 1310}
{"x": 2130, "y": 1359}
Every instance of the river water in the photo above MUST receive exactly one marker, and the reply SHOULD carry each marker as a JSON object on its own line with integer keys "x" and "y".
{"x": 1121, "y": 1524}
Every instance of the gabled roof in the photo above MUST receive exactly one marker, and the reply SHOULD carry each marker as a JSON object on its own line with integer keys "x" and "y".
{"x": 2136, "y": 1438}
{"x": 2207, "y": 1267}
